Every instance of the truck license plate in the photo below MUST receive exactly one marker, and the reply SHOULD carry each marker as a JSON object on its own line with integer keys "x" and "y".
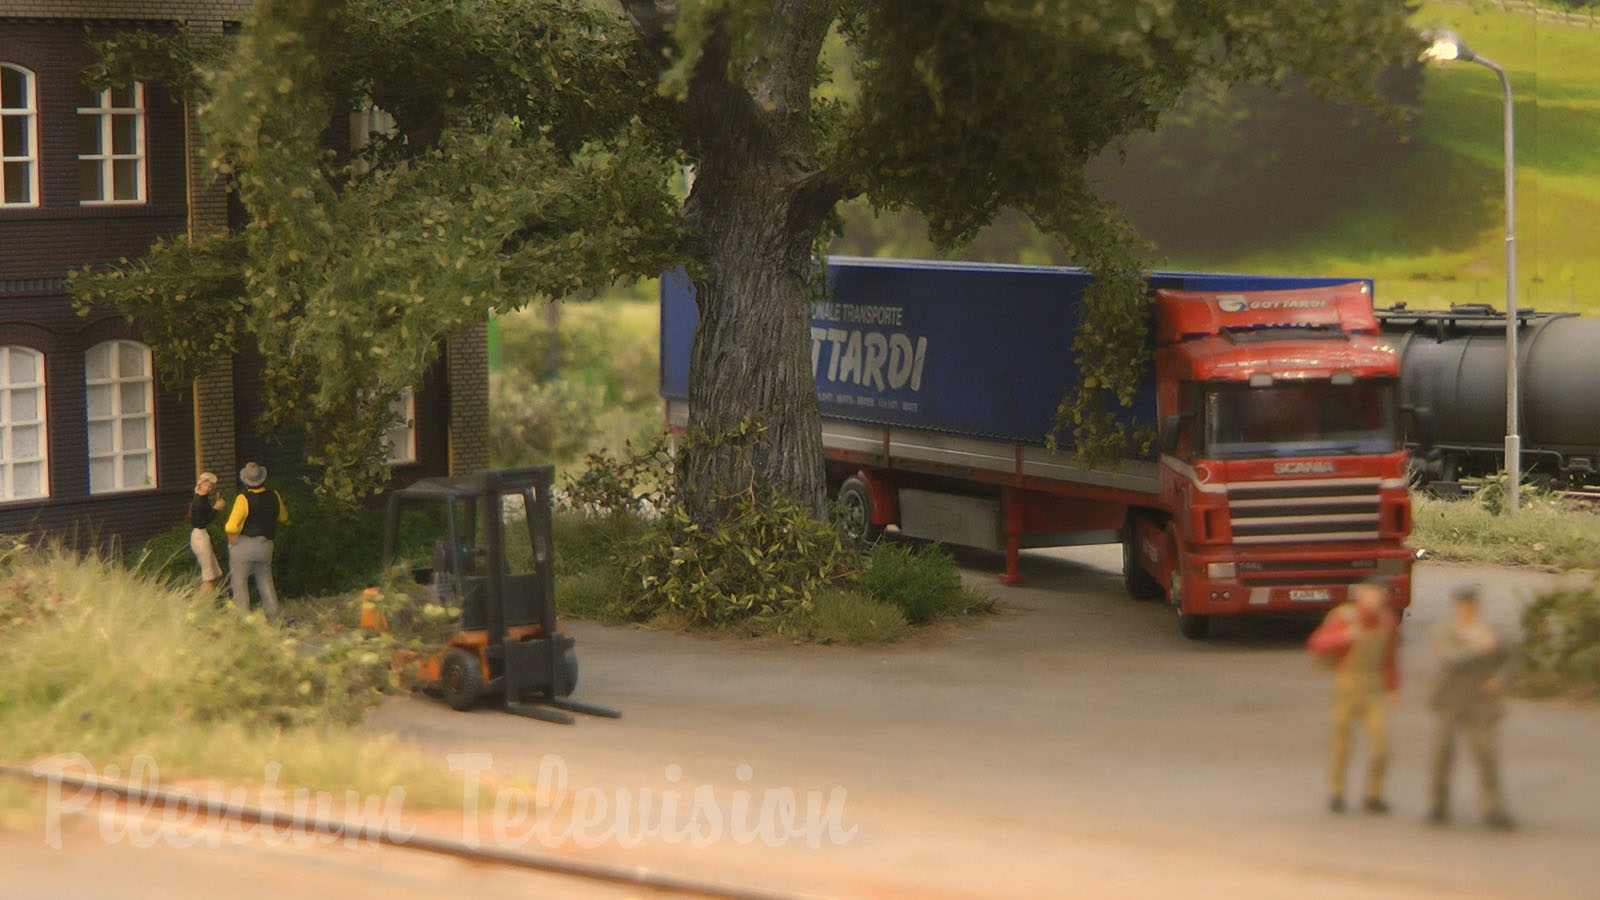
{"x": 1310, "y": 595}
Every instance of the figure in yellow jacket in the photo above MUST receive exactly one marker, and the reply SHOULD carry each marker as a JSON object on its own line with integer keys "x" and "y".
{"x": 251, "y": 528}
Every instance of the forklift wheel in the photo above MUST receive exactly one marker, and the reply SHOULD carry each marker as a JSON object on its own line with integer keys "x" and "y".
{"x": 461, "y": 680}
{"x": 569, "y": 668}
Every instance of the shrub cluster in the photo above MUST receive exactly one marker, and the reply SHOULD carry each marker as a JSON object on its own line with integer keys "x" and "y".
{"x": 1560, "y": 651}
{"x": 327, "y": 548}
{"x": 766, "y": 565}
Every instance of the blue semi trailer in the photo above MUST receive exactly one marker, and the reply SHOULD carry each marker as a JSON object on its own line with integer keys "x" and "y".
{"x": 1279, "y": 482}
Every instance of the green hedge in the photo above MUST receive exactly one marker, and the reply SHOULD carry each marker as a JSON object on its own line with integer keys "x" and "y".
{"x": 324, "y": 549}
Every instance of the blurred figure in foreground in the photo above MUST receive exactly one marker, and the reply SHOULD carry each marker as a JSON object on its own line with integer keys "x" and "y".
{"x": 1466, "y": 697}
{"x": 1359, "y": 639}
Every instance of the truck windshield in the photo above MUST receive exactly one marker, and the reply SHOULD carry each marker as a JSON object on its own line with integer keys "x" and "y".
{"x": 1305, "y": 419}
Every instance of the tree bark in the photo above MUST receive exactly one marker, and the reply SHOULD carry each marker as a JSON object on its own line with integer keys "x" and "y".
{"x": 758, "y": 204}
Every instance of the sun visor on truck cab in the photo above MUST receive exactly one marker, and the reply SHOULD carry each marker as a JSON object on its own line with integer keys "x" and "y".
{"x": 1185, "y": 315}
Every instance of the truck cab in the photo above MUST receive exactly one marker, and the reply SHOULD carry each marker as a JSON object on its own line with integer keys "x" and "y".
{"x": 1281, "y": 468}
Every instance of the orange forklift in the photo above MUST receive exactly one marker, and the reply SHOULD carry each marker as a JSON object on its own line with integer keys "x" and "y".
{"x": 492, "y": 556}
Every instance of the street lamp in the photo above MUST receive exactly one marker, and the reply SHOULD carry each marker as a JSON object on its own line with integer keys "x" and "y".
{"x": 1443, "y": 47}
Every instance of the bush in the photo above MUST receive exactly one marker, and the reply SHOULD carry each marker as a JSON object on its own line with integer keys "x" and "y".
{"x": 325, "y": 549}
{"x": 922, "y": 581}
{"x": 1560, "y": 652}
{"x": 765, "y": 559}
{"x": 848, "y": 615}
{"x": 766, "y": 564}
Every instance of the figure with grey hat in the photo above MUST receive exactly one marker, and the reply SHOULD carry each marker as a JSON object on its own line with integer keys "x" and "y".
{"x": 1466, "y": 698}
{"x": 252, "y": 526}
{"x": 203, "y": 507}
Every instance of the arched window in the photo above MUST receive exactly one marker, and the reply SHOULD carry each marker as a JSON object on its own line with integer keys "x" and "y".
{"x": 122, "y": 429}
{"x": 19, "y": 137}
{"x": 111, "y": 144}
{"x": 23, "y": 473}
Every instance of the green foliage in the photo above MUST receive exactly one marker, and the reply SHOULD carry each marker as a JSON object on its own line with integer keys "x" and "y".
{"x": 564, "y": 388}
{"x": 173, "y": 59}
{"x": 586, "y": 543}
{"x": 325, "y": 549}
{"x": 922, "y": 582}
{"x": 842, "y": 614}
{"x": 766, "y": 564}
{"x": 1560, "y": 652}
{"x": 951, "y": 128}
{"x": 522, "y": 169}
{"x": 1547, "y": 531}
{"x": 108, "y": 663}
{"x": 767, "y": 558}
{"x": 188, "y": 301}
{"x": 536, "y": 142}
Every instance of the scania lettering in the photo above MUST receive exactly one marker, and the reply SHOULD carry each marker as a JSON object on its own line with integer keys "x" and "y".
{"x": 1277, "y": 480}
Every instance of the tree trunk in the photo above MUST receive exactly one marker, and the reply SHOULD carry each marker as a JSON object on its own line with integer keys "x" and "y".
{"x": 751, "y": 357}
{"x": 758, "y": 204}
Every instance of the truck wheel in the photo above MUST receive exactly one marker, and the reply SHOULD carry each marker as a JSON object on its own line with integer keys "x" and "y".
{"x": 461, "y": 679}
{"x": 855, "y": 512}
{"x": 1141, "y": 586}
{"x": 1190, "y": 625}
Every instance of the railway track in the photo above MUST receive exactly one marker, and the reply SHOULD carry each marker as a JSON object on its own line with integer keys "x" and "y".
{"x": 212, "y": 811}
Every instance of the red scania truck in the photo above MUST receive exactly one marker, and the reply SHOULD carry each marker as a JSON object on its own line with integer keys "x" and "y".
{"x": 1278, "y": 479}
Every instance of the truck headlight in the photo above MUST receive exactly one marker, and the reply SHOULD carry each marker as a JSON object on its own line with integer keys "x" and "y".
{"x": 1222, "y": 570}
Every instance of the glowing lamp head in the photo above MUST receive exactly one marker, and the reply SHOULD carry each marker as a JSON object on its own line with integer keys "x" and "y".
{"x": 1444, "y": 46}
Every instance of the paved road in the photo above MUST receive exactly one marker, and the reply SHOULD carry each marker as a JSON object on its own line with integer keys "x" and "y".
{"x": 1072, "y": 743}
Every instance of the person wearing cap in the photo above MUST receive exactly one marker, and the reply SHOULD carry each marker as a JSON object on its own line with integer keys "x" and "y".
{"x": 1359, "y": 639}
{"x": 1466, "y": 698}
{"x": 252, "y": 526}
{"x": 203, "y": 507}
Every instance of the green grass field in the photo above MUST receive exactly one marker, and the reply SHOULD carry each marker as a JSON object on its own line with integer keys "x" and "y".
{"x": 1431, "y": 231}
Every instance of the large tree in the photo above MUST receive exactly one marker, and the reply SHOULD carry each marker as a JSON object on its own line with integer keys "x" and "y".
{"x": 537, "y": 143}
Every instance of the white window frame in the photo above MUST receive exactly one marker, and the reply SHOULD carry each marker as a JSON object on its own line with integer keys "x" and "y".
{"x": 8, "y": 424}
{"x": 405, "y": 407}
{"x": 30, "y": 113}
{"x": 116, "y": 380}
{"x": 106, "y": 158}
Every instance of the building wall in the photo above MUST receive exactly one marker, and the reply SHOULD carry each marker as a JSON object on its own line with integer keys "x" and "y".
{"x": 467, "y": 359}
{"x": 206, "y": 425}
{"x": 170, "y": 10}
{"x": 39, "y": 245}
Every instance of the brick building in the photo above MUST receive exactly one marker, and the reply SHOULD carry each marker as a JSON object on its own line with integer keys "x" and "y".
{"x": 92, "y": 445}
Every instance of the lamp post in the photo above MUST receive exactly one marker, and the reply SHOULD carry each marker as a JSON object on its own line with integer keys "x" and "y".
{"x": 1446, "y": 46}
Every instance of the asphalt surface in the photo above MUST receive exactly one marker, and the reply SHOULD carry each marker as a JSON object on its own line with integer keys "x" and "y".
{"x": 1074, "y": 744}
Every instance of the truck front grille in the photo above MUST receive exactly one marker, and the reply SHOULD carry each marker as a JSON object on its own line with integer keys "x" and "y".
{"x": 1331, "y": 509}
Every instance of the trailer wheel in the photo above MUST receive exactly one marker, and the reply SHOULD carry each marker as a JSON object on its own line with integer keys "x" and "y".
{"x": 461, "y": 679}
{"x": 855, "y": 512}
{"x": 1141, "y": 585}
